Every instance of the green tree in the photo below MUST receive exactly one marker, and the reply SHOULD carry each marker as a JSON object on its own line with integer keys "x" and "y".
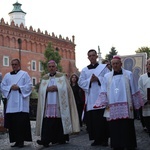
{"x": 144, "y": 50}
{"x": 112, "y": 52}
{"x": 51, "y": 54}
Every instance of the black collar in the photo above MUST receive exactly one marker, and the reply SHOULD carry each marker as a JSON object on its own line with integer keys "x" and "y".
{"x": 51, "y": 75}
{"x": 14, "y": 72}
{"x": 118, "y": 72}
{"x": 92, "y": 66}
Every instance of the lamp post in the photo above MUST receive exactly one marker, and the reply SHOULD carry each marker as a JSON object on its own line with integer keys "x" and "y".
{"x": 19, "y": 43}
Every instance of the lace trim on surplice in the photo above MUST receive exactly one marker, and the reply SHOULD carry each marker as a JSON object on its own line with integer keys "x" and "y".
{"x": 101, "y": 101}
{"x": 119, "y": 111}
{"x": 51, "y": 111}
{"x": 137, "y": 100}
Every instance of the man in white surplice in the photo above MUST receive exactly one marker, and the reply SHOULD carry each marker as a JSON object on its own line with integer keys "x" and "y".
{"x": 16, "y": 88}
{"x": 120, "y": 94}
{"x": 57, "y": 115}
{"x": 144, "y": 86}
{"x": 90, "y": 81}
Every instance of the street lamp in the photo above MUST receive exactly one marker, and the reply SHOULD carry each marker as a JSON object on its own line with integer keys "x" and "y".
{"x": 19, "y": 43}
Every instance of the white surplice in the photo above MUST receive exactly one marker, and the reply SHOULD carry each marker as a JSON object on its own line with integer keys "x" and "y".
{"x": 52, "y": 103}
{"x": 144, "y": 83}
{"x": 120, "y": 94}
{"x": 17, "y": 101}
{"x": 92, "y": 92}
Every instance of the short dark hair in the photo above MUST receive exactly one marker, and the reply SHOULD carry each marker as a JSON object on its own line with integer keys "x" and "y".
{"x": 91, "y": 50}
{"x": 16, "y": 59}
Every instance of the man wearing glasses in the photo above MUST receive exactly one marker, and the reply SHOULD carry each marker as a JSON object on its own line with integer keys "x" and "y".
{"x": 57, "y": 115}
{"x": 16, "y": 87}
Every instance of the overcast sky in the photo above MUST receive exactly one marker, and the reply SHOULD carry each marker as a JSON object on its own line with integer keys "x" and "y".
{"x": 123, "y": 24}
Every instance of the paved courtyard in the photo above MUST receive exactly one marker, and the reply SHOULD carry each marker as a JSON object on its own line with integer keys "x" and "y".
{"x": 77, "y": 142}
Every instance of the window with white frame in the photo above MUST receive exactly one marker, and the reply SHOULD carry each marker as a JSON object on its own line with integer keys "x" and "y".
{"x": 33, "y": 65}
{"x": 5, "y": 61}
{"x": 34, "y": 81}
{"x": 40, "y": 67}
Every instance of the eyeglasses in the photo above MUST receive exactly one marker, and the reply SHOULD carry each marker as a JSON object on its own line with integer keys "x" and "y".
{"x": 51, "y": 66}
{"x": 14, "y": 64}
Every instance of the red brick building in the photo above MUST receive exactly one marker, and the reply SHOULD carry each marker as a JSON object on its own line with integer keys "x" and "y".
{"x": 16, "y": 41}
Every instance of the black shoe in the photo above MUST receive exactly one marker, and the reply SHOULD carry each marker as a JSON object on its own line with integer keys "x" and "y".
{"x": 15, "y": 145}
{"x": 145, "y": 129}
{"x": 42, "y": 143}
{"x": 18, "y": 144}
{"x": 104, "y": 144}
{"x": 46, "y": 145}
{"x": 95, "y": 143}
{"x": 62, "y": 142}
{"x": 21, "y": 144}
{"x": 39, "y": 142}
{"x": 53, "y": 142}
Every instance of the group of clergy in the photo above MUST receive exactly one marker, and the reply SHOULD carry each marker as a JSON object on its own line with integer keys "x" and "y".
{"x": 110, "y": 100}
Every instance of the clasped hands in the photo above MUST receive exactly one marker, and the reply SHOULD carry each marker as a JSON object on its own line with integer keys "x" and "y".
{"x": 15, "y": 87}
{"x": 94, "y": 78}
{"x": 52, "y": 88}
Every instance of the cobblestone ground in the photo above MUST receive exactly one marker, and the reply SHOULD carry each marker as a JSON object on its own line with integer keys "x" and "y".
{"x": 77, "y": 142}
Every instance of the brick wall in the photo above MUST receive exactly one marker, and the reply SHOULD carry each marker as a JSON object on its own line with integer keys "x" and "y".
{"x": 32, "y": 48}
